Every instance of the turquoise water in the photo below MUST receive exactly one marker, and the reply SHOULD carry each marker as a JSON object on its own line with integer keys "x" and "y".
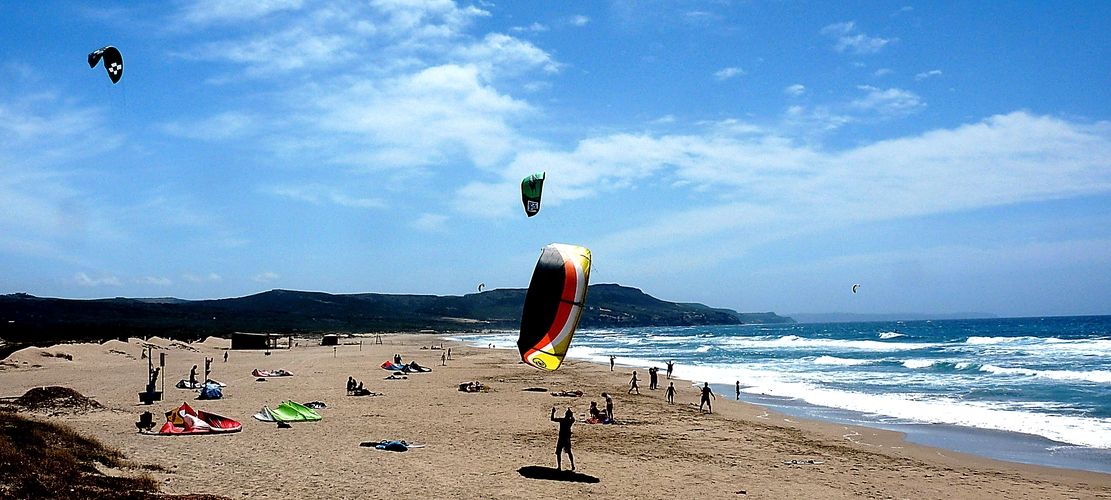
{"x": 1046, "y": 378}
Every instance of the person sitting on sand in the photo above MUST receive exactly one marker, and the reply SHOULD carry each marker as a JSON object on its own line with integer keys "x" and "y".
{"x": 564, "y": 441}
{"x": 350, "y": 384}
{"x": 633, "y": 384}
{"x": 594, "y": 411}
{"x": 707, "y": 393}
{"x": 670, "y": 393}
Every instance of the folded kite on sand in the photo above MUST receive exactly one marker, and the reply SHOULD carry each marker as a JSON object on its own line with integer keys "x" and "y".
{"x": 390, "y": 445}
{"x": 288, "y": 412}
{"x": 271, "y": 373}
{"x": 185, "y": 420}
{"x": 406, "y": 368}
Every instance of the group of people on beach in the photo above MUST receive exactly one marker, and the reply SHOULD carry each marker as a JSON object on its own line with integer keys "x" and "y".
{"x": 597, "y": 415}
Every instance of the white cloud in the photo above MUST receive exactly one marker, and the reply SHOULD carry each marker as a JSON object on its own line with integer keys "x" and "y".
{"x": 532, "y": 28}
{"x": 319, "y": 194}
{"x": 881, "y": 72}
{"x": 209, "y": 278}
{"x": 926, "y": 74}
{"x": 727, "y": 73}
{"x": 850, "y": 39}
{"x": 432, "y": 223}
{"x": 229, "y": 11}
{"x": 274, "y": 53}
{"x": 224, "y": 126}
{"x": 83, "y": 279}
{"x": 266, "y": 277}
{"x": 500, "y": 54}
{"x": 423, "y": 119}
{"x": 765, "y": 187}
{"x": 889, "y": 102}
{"x": 795, "y": 90}
{"x": 579, "y": 20}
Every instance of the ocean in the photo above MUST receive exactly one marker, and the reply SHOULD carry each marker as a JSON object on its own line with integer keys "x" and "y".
{"x": 1030, "y": 390}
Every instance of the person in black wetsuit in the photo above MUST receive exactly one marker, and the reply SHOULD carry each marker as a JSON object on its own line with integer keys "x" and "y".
{"x": 564, "y": 442}
{"x": 707, "y": 393}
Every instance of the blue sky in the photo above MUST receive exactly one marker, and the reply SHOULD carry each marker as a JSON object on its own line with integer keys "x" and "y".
{"x": 761, "y": 156}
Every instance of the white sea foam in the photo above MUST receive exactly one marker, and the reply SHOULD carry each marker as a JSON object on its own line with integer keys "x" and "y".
{"x": 1097, "y": 376}
{"x": 833, "y": 360}
{"x": 705, "y": 348}
{"x": 796, "y": 342}
{"x": 1095, "y": 432}
{"x": 915, "y": 364}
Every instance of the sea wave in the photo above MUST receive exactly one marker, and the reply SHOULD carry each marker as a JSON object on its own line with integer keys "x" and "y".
{"x": 890, "y": 335}
{"x": 915, "y": 364}
{"x": 1083, "y": 431}
{"x": 1096, "y": 376}
{"x": 833, "y": 360}
{"x": 796, "y": 342}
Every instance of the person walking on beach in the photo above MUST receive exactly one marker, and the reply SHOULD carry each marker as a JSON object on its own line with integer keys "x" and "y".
{"x": 609, "y": 405}
{"x": 225, "y": 356}
{"x": 612, "y": 357}
{"x": 670, "y": 366}
{"x": 707, "y": 393}
{"x": 443, "y": 359}
{"x": 652, "y": 377}
{"x": 564, "y": 441}
{"x": 671, "y": 393}
{"x": 449, "y": 353}
{"x": 633, "y": 384}
{"x": 738, "y": 390}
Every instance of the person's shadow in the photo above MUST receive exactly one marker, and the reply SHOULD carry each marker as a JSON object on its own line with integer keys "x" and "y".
{"x": 551, "y": 474}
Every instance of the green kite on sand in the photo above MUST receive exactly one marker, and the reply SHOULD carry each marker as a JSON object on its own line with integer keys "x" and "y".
{"x": 288, "y": 412}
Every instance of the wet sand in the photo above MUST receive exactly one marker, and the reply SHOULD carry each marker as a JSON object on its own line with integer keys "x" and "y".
{"x": 478, "y": 444}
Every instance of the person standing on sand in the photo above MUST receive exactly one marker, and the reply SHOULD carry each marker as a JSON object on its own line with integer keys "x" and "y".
{"x": 193, "y": 377}
{"x": 670, "y": 366}
{"x": 443, "y": 359}
{"x": 609, "y": 405}
{"x": 707, "y": 393}
{"x": 671, "y": 393}
{"x": 633, "y": 384}
{"x": 448, "y": 353}
{"x": 652, "y": 377}
{"x": 738, "y": 390}
{"x": 612, "y": 357}
{"x": 564, "y": 441}
{"x": 225, "y": 356}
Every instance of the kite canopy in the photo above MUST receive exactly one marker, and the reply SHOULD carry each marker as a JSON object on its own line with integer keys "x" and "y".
{"x": 553, "y": 305}
{"x": 855, "y": 287}
{"x": 185, "y": 420}
{"x": 113, "y": 62}
{"x": 531, "y": 187}
{"x": 480, "y": 286}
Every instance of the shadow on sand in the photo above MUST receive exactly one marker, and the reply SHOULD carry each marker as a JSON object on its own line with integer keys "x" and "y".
{"x": 537, "y": 472}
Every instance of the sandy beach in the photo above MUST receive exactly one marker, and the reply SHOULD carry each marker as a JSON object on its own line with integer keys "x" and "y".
{"x": 477, "y": 444}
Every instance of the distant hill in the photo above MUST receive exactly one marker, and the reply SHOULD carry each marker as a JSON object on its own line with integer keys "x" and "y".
{"x": 865, "y": 318}
{"x": 26, "y": 318}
